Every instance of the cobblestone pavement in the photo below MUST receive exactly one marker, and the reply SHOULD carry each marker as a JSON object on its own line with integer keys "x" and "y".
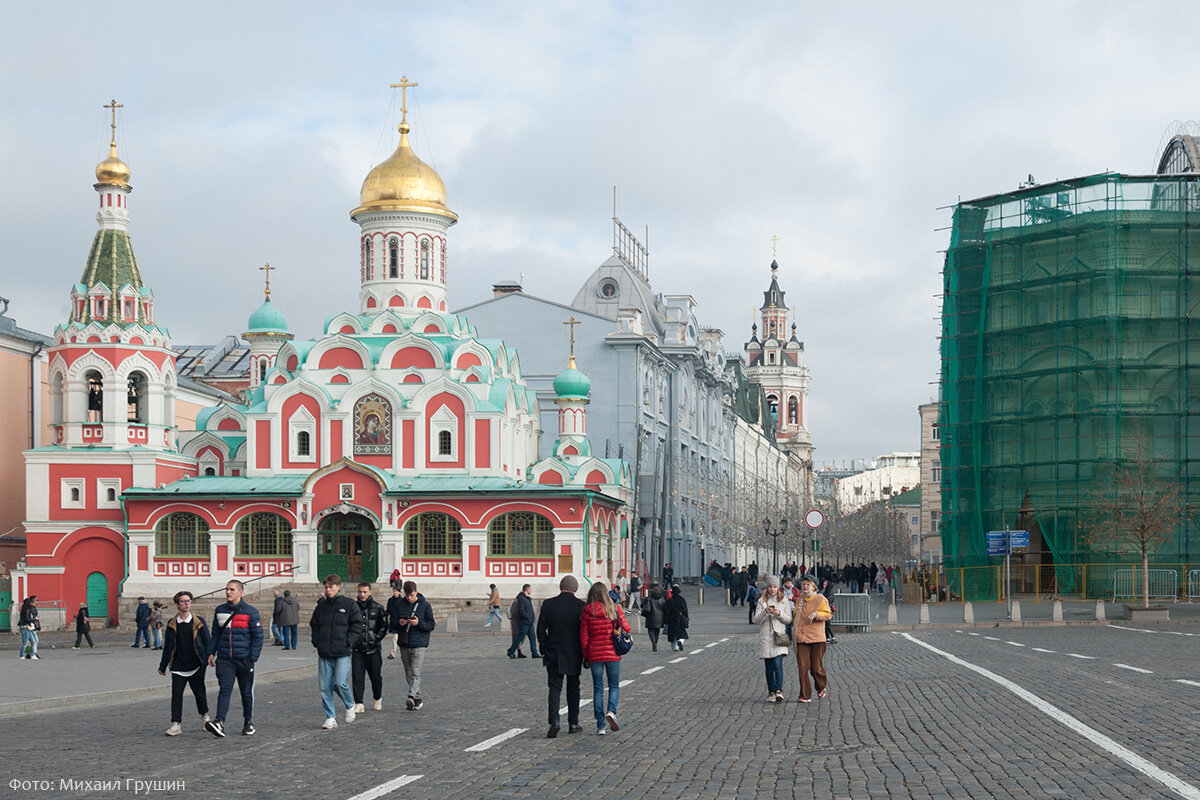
{"x": 901, "y": 721}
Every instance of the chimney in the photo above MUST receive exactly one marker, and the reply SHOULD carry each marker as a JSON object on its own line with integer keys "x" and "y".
{"x": 505, "y": 287}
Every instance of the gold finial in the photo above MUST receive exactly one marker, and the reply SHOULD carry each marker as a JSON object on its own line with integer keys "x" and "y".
{"x": 572, "y": 322}
{"x": 774, "y": 241}
{"x": 403, "y": 86}
{"x": 113, "y": 106}
{"x": 266, "y": 268}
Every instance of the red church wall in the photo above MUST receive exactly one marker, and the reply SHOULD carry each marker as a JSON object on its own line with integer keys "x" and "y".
{"x": 415, "y": 357}
{"x": 551, "y": 478}
{"x": 89, "y": 473}
{"x": 290, "y": 406}
{"x": 229, "y": 424}
{"x": 335, "y": 440}
{"x": 483, "y": 443}
{"x": 595, "y": 477}
{"x": 407, "y": 443}
{"x": 327, "y": 491}
{"x": 215, "y": 452}
{"x": 81, "y": 553}
{"x": 468, "y": 360}
{"x": 340, "y": 357}
{"x": 262, "y": 444}
{"x": 456, "y": 407}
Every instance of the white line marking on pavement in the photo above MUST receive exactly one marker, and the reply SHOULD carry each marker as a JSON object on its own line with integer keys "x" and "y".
{"x": 625, "y": 683}
{"x": 958, "y": 631}
{"x": 973, "y": 633}
{"x": 1044, "y": 650}
{"x": 384, "y": 788}
{"x": 1189, "y": 683}
{"x": 487, "y": 744}
{"x": 1094, "y": 736}
{"x": 1134, "y": 669}
{"x": 677, "y": 660}
{"x": 1127, "y": 628}
{"x": 726, "y": 639}
{"x": 1015, "y": 644}
{"x": 991, "y": 638}
{"x": 1076, "y": 655}
{"x": 652, "y": 670}
{"x": 713, "y": 644}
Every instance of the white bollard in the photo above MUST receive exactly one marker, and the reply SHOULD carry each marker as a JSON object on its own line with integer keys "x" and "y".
{"x": 968, "y": 614}
{"x": 893, "y": 617}
{"x": 924, "y": 618}
{"x": 635, "y": 622}
{"x": 1016, "y": 611}
{"x": 452, "y": 622}
{"x": 700, "y": 596}
{"x": 1056, "y": 611}
{"x": 1100, "y": 609}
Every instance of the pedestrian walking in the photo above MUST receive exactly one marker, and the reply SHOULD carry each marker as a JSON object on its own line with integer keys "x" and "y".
{"x": 234, "y": 648}
{"x": 772, "y": 613}
{"x": 827, "y": 593}
{"x": 29, "y": 625}
{"x": 562, "y": 652}
{"x": 523, "y": 621}
{"x": 677, "y": 619}
{"x": 634, "y": 590}
{"x": 808, "y": 632}
{"x": 416, "y": 617}
{"x": 185, "y": 651}
{"x": 83, "y": 627}
{"x": 880, "y": 580}
{"x": 141, "y": 617}
{"x": 751, "y": 599}
{"x": 493, "y": 606}
{"x": 599, "y": 624}
{"x": 289, "y": 619}
{"x": 276, "y": 611}
{"x": 367, "y": 657}
{"x": 668, "y": 576}
{"x": 654, "y": 610}
{"x": 156, "y": 624}
{"x": 336, "y": 625}
{"x": 393, "y": 617}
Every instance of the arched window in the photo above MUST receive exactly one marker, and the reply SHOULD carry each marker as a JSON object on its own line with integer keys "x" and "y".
{"x": 56, "y": 397}
{"x": 393, "y": 258}
{"x": 303, "y": 443}
{"x": 521, "y": 534}
{"x": 95, "y": 396}
{"x": 445, "y": 443}
{"x": 74, "y": 494}
{"x": 793, "y": 410}
{"x": 110, "y": 495}
{"x": 366, "y": 259}
{"x": 262, "y": 370}
{"x": 264, "y": 535}
{"x": 424, "y": 259}
{"x": 135, "y": 397}
{"x": 181, "y": 534}
{"x": 210, "y": 471}
{"x": 433, "y": 534}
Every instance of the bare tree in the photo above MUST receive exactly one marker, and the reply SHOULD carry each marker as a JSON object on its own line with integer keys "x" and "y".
{"x": 1135, "y": 508}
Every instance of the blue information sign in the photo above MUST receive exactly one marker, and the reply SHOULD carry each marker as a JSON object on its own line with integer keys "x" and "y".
{"x": 1018, "y": 538}
{"x": 997, "y": 544}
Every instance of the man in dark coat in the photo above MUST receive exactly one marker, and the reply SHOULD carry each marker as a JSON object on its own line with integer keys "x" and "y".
{"x": 367, "y": 658}
{"x": 523, "y": 622}
{"x": 558, "y": 636}
{"x": 414, "y": 616}
{"x": 737, "y": 589}
{"x": 654, "y": 610}
{"x": 142, "y": 618}
{"x": 336, "y": 627}
{"x": 677, "y": 618}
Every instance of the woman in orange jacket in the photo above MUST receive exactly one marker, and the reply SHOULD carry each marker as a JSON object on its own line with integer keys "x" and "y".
{"x": 808, "y": 632}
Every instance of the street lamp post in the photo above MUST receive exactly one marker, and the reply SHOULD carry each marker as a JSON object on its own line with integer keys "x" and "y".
{"x": 783, "y": 526}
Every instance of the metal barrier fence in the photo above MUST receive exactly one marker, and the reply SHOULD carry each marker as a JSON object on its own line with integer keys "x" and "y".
{"x": 853, "y": 611}
{"x": 1193, "y": 585}
{"x": 1038, "y": 582}
{"x": 1163, "y": 584}
{"x": 51, "y": 615}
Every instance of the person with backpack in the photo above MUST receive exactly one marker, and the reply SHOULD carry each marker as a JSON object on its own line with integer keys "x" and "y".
{"x": 654, "y": 610}
{"x": 601, "y": 620}
{"x": 752, "y": 598}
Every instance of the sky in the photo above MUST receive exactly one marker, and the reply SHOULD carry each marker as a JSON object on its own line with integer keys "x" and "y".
{"x": 844, "y": 129}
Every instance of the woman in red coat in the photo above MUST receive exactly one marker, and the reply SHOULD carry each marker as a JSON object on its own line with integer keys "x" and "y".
{"x": 601, "y": 616}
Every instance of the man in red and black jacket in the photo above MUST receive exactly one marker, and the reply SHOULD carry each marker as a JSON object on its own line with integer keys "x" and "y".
{"x": 236, "y": 643}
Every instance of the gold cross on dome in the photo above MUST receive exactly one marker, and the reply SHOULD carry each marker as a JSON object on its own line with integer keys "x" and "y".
{"x": 572, "y": 322}
{"x": 113, "y": 106}
{"x": 403, "y": 86}
{"x": 266, "y": 268}
{"x": 774, "y": 241}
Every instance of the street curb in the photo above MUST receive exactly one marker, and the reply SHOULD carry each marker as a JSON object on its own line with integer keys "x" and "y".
{"x": 128, "y": 695}
{"x": 984, "y": 625}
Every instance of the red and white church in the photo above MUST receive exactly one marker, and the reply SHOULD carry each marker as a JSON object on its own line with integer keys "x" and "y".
{"x": 398, "y": 439}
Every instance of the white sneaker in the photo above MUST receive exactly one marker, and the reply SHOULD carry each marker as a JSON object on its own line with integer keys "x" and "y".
{"x": 330, "y": 725}
{"x": 378, "y": 705}
{"x": 175, "y": 729}
{"x": 350, "y": 714}
{"x": 358, "y": 709}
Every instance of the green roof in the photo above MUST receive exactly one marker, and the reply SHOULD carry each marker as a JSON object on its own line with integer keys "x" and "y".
{"x": 571, "y": 382}
{"x": 267, "y": 319}
{"x": 910, "y": 498}
{"x": 111, "y": 262}
{"x": 290, "y": 485}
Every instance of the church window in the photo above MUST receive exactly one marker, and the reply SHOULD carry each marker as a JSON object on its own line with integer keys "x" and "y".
{"x": 445, "y": 443}
{"x": 770, "y": 358}
{"x": 433, "y": 535}
{"x": 264, "y": 535}
{"x": 262, "y": 370}
{"x": 793, "y": 410}
{"x": 366, "y": 260}
{"x": 74, "y": 495}
{"x": 442, "y": 262}
{"x": 181, "y": 534}
{"x": 95, "y": 397}
{"x": 303, "y": 443}
{"x": 393, "y": 259}
{"x": 210, "y": 471}
{"x": 110, "y": 495}
{"x": 58, "y": 401}
{"x": 135, "y": 398}
{"x": 424, "y": 259}
{"x": 521, "y": 534}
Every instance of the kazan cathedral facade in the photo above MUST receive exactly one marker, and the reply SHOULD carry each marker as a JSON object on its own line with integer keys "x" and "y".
{"x": 399, "y": 439}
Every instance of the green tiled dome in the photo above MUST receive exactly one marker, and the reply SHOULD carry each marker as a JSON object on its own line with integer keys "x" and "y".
{"x": 267, "y": 319}
{"x": 572, "y": 383}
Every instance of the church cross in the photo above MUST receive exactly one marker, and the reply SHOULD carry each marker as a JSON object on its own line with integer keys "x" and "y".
{"x": 113, "y": 106}
{"x": 403, "y": 86}
{"x": 266, "y": 268}
{"x": 774, "y": 241}
{"x": 572, "y": 322}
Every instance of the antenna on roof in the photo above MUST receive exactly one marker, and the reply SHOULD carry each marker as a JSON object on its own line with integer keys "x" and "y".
{"x": 626, "y": 247}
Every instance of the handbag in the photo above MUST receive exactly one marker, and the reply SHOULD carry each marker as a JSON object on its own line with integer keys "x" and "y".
{"x": 622, "y": 641}
{"x": 780, "y": 638}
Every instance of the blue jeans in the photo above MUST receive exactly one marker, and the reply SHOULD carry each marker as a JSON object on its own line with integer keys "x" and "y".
{"x": 29, "y": 639}
{"x": 524, "y": 631}
{"x": 494, "y": 612}
{"x": 613, "y": 670}
{"x": 157, "y": 637}
{"x": 774, "y": 667}
{"x": 333, "y": 677}
{"x": 143, "y": 631}
{"x": 276, "y": 632}
{"x": 289, "y": 636}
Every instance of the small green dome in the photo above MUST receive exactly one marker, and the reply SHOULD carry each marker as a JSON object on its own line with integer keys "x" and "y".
{"x": 572, "y": 383}
{"x": 267, "y": 319}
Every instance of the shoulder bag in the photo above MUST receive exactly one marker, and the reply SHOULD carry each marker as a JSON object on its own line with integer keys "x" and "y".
{"x": 622, "y": 641}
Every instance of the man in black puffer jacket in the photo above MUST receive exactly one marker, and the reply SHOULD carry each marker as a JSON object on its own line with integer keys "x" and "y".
{"x": 336, "y": 627}
{"x": 367, "y": 658}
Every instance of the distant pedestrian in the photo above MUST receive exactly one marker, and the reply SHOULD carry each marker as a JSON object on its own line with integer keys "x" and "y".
{"x": 141, "y": 618}
{"x": 289, "y": 619}
{"x": 234, "y": 648}
{"x": 156, "y": 624}
{"x": 752, "y": 599}
{"x": 677, "y": 619}
{"x": 614, "y": 593}
{"x": 523, "y": 621}
{"x": 184, "y": 655}
{"x": 29, "y": 625}
{"x": 634, "y": 590}
{"x": 493, "y": 606}
{"x": 276, "y": 611}
{"x": 737, "y": 589}
{"x": 600, "y": 621}
{"x": 83, "y": 627}
{"x": 336, "y": 625}
{"x": 880, "y": 580}
{"x": 808, "y": 632}
{"x": 827, "y": 593}
{"x": 668, "y": 576}
{"x": 562, "y": 652}
{"x": 395, "y": 581}
{"x": 772, "y": 613}
{"x": 367, "y": 658}
{"x": 654, "y": 610}
{"x": 416, "y": 618}
{"x": 753, "y": 570}
{"x": 393, "y": 617}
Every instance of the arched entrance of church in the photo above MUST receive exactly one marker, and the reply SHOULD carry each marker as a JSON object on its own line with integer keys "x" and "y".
{"x": 348, "y": 546}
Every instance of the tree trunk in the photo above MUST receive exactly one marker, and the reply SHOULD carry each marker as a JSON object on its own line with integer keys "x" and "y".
{"x": 1145, "y": 578}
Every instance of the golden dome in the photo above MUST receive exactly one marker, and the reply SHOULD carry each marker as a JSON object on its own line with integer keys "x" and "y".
{"x": 112, "y": 171}
{"x": 403, "y": 182}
